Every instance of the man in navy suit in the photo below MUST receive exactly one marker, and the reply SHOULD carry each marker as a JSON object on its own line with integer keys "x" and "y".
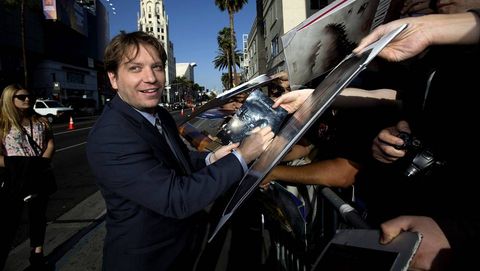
{"x": 154, "y": 188}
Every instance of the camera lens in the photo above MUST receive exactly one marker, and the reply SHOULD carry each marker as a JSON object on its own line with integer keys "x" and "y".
{"x": 406, "y": 141}
{"x": 420, "y": 162}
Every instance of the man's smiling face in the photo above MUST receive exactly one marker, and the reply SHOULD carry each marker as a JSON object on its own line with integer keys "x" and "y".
{"x": 140, "y": 78}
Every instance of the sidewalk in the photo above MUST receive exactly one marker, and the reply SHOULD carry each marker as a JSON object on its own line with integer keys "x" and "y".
{"x": 74, "y": 241}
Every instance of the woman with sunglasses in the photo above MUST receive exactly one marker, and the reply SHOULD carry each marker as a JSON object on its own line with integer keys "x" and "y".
{"x": 27, "y": 147}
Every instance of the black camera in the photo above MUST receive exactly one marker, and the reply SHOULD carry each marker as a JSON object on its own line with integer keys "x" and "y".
{"x": 418, "y": 159}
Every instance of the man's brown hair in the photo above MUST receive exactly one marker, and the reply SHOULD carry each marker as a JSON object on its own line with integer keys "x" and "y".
{"x": 121, "y": 45}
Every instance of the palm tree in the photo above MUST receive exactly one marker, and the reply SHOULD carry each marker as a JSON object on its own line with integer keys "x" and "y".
{"x": 223, "y": 60}
{"x": 232, "y": 6}
{"x": 224, "y": 56}
{"x": 21, "y": 4}
{"x": 225, "y": 51}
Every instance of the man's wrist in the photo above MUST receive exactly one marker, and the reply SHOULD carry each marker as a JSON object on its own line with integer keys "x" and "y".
{"x": 212, "y": 158}
{"x": 240, "y": 159}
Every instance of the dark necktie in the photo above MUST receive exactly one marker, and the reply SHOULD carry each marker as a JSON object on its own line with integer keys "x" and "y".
{"x": 173, "y": 146}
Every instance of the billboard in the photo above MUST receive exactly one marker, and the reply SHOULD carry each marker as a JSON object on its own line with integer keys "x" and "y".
{"x": 68, "y": 12}
{"x": 50, "y": 9}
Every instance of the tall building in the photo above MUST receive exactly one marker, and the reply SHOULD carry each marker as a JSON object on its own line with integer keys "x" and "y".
{"x": 153, "y": 19}
{"x": 186, "y": 70}
{"x": 244, "y": 58}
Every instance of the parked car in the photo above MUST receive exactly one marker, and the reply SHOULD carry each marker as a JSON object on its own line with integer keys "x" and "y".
{"x": 81, "y": 106}
{"x": 52, "y": 110}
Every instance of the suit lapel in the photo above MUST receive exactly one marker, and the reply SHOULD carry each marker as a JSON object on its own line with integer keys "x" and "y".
{"x": 175, "y": 142}
{"x": 147, "y": 132}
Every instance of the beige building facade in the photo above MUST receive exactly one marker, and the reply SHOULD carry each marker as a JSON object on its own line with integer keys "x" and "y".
{"x": 274, "y": 18}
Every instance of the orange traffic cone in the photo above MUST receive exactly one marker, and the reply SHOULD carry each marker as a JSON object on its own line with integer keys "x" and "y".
{"x": 70, "y": 124}
{"x": 181, "y": 112}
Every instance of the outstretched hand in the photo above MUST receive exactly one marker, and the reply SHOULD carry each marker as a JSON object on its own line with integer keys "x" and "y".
{"x": 410, "y": 42}
{"x": 291, "y": 101}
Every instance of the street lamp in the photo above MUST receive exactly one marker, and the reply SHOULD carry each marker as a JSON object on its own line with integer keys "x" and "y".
{"x": 176, "y": 96}
{"x": 167, "y": 88}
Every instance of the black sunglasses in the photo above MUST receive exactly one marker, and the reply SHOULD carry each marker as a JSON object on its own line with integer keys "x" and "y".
{"x": 23, "y": 97}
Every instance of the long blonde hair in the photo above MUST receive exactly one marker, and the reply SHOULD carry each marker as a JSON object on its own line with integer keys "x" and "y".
{"x": 10, "y": 116}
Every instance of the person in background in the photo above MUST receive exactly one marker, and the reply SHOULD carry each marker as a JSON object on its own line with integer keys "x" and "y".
{"x": 451, "y": 228}
{"x": 154, "y": 188}
{"x": 26, "y": 142}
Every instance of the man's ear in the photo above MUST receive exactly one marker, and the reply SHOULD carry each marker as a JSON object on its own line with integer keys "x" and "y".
{"x": 113, "y": 79}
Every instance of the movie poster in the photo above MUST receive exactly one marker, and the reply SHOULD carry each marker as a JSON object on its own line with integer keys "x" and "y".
{"x": 319, "y": 43}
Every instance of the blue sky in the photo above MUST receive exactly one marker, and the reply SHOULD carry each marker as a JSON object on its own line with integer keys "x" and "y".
{"x": 194, "y": 25}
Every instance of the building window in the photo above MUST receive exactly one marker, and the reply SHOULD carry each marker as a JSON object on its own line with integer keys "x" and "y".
{"x": 318, "y": 4}
{"x": 149, "y": 15}
{"x": 75, "y": 77}
{"x": 163, "y": 37}
{"x": 163, "y": 31}
{"x": 274, "y": 45}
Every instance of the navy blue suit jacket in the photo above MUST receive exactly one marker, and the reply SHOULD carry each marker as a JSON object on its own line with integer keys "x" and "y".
{"x": 151, "y": 204}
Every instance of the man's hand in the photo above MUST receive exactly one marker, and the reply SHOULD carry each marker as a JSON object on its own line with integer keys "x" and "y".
{"x": 423, "y": 31}
{"x": 222, "y": 151}
{"x": 256, "y": 143}
{"x": 434, "y": 250}
{"x": 291, "y": 101}
{"x": 410, "y": 42}
{"x": 383, "y": 148}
